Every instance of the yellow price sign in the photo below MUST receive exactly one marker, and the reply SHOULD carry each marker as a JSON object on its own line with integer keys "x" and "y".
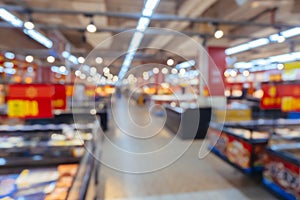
{"x": 22, "y": 108}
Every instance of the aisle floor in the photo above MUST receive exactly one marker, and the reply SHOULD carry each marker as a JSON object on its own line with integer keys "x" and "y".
{"x": 186, "y": 179}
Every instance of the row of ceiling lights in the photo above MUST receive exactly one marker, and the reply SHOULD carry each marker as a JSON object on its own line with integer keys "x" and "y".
{"x": 280, "y": 37}
{"x": 246, "y": 72}
{"x": 91, "y": 27}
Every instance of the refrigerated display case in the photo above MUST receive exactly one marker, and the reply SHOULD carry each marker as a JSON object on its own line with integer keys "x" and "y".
{"x": 51, "y": 162}
{"x": 239, "y": 146}
{"x": 282, "y": 163}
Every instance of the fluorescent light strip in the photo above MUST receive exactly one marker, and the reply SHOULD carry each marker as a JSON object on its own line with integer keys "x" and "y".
{"x": 37, "y": 36}
{"x": 136, "y": 40}
{"x": 262, "y": 41}
{"x": 143, "y": 24}
{"x": 57, "y": 70}
{"x": 16, "y": 22}
{"x": 186, "y": 64}
{"x": 10, "y": 18}
{"x": 258, "y": 43}
{"x": 282, "y": 58}
{"x": 247, "y": 46}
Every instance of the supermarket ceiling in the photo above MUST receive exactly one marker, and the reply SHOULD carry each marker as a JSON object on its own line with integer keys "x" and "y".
{"x": 65, "y": 21}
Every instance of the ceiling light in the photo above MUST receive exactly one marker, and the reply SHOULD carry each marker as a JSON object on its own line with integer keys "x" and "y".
{"x": 115, "y": 78}
{"x": 143, "y": 24}
{"x": 82, "y": 76}
{"x": 8, "y": 64}
{"x": 106, "y": 70}
{"x": 91, "y": 28}
{"x": 226, "y": 73}
{"x": 246, "y": 46}
{"x": 16, "y": 22}
{"x": 170, "y": 62}
{"x": 51, "y": 59}
{"x": 219, "y": 34}
{"x": 164, "y": 70}
{"x": 73, "y": 59}
{"x": 93, "y": 71}
{"x": 257, "y": 43}
{"x": 155, "y": 70}
{"x": 186, "y": 64}
{"x": 147, "y": 12}
{"x": 246, "y": 73}
{"x": 291, "y": 32}
{"x": 29, "y": 25}
{"x": 9, "y": 55}
{"x": 37, "y": 36}
{"x": 10, "y": 70}
{"x": 29, "y": 58}
{"x": 65, "y": 54}
{"x": 151, "y": 4}
{"x": 174, "y": 71}
{"x": 280, "y": 66}
{"x": 233, "y": 73}
{"x": 237, "y": 49}
{"x": 146, "y": 77}
{"x": 59, "y": 70}
{"x": 99, "y": 60}
{"x": 182, "y": 71}
{"x": 62, "y": 69}
{"x": 280, "y": 38}
{"x": 10, "y": 18}
{"x": 81, "y": 59}
{"x": 77, "y": 73}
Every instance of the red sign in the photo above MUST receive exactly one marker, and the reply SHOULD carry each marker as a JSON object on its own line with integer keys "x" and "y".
{"x": 30, "y": 101}
{"x": 271, "y": 98}
{"x": 216, "y": 68}
{"x": 60, "y": 97}
{"x": 285, "y": 97}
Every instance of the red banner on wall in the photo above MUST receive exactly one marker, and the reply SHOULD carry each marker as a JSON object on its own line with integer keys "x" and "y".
{"x": 60, "y": 97}
{"x": 215, "y": 77}
{"x": 285, "y": 97}
{"x": 30, "y": 101}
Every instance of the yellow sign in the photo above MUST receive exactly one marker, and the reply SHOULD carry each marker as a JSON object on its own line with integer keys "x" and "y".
{"x": 22, "y": 108}
{"x": 290, "y": 104}
{"x": 292, "y": 65}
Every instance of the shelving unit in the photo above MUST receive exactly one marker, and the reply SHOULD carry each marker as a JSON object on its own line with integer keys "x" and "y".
{"x": 41, "y": 157}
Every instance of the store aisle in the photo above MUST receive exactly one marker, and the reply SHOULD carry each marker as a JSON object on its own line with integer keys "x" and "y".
{"x": 187, "y": 178}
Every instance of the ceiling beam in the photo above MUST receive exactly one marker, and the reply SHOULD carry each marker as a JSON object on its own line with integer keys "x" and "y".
{"x": 155, "y": 17}
{"x": 118, "y": 30}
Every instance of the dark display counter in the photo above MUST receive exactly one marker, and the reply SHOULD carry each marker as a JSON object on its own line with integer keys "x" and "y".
{"x": 191, "y": 123}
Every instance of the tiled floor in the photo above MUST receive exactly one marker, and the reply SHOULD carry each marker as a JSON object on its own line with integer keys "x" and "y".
{"x": 187, "y": 178}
